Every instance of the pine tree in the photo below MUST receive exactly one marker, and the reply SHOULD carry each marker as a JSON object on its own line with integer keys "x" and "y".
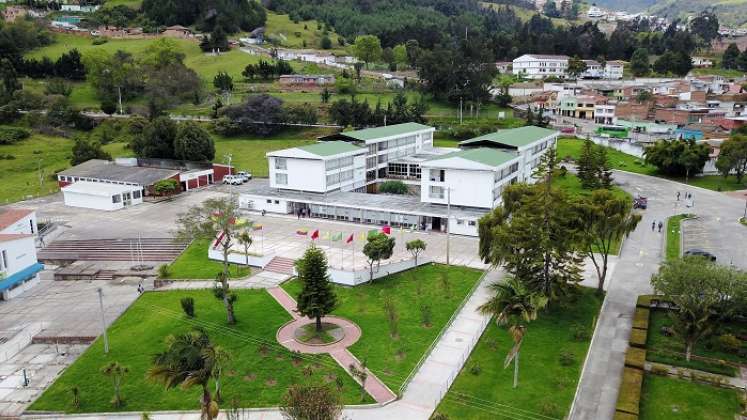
{"x": 587, "y": 165}
{"x": 731, "y": 55}
{"x": 604, "y": 173}
{"x": 317, "y": 298}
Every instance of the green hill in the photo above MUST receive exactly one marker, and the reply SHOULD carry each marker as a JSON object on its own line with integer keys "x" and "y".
{"x": 730, "y": 12}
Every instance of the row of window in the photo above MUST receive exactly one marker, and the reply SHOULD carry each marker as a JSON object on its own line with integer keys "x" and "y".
{"x": 404, "y": 170}
{"x": 64, "y": 178}
{"x": 126, "y": 196}
{"x": 505, "y": 172}
{"x": 339, "y": 163}
{"x": 336, "y": 178}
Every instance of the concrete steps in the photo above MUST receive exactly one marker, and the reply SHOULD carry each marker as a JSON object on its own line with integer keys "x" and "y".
{"x": 124, "y": 249}
{"x": 280, "y": 265}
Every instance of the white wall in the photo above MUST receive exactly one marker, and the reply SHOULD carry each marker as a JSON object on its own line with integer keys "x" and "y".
{"x": 354, "y": 278}
{"x": 459, "y": 226}
{"x": 23, "y": 225}
{"x": 303, "y": 174}
{"x": 89, "y": 201}
{"x": 259, "y": 203}
{"x": 468, "y": 188}
{"x": 258, "y": 260}
{"x": 21, "y": 254}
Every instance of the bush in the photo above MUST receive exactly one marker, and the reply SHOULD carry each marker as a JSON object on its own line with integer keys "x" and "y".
{"x": 11, "y": 135}
{"x": 166, "y": 187}
{"x": 628, "y": 400}
{"x": 164, "y": 271}
{"x": 188, "y": 306}
{"x": 393, "y": 187}
{"x": 567, "y": 358}
{"x": 100, "y": 40}
{"x": 108, "y": 106}
{"x": 475, "y": 369}
{"x": 729, "y": 343}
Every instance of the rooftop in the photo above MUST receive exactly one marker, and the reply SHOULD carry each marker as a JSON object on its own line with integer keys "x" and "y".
{"x": 514, "y": 137}
{"x": 9, "y": 215}
{"x": 104, "y": 169}
{"x": 481, "y": 155}
{"x": 386, "y": 131}
{"x": 98, "y": 188}
{"x": 330, "y": 148}
{"x": 546, "y": 56}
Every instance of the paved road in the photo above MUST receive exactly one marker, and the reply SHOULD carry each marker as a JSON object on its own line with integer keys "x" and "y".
{"x": 639, "y": 259}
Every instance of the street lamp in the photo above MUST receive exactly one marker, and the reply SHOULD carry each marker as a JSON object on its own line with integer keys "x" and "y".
{"x": 448, "y": 222}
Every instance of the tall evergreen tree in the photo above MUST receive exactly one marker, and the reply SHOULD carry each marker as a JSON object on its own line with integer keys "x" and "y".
{"x": 587, "y": 166}
{"x": 317, "y": 298}
{"x": 604, "y": 172}
{"x": 731, "y": 57}
{"x": 639, "y": 62}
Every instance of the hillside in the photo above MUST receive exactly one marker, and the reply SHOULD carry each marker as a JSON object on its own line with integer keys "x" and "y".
{"x": 730, "y": 12}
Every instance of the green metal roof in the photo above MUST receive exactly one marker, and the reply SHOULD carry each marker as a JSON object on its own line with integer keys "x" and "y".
{"x": 387, "y": 131}
{"x": 483, "y": 155}
{"x": 329, "y": 148}
{"x": 514, "y": 137}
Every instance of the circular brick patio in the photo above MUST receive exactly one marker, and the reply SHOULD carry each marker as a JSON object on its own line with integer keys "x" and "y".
{"x": 286, "y": 333}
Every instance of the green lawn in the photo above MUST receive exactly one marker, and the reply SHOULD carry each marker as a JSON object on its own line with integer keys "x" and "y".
{"x": 660, "y": 347}
{"x": 673, "y": 236}
{"x": 546, "y": 385}
{"x": 393, "y": 359}
{"x": 293, "y": 35}
{"x": 257, "y": 376}
{"x": 194, "y": 264}
{"x": 571, "y": 184}
{"x": 664, "y": 398}
{"x": 571, "y": 148}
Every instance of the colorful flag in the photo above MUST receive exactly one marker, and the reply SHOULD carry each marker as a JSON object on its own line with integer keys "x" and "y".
{"x": 302, "y": 232}
{"x": 315, "y": 235}
{"x": 337, "y": 236}
{"x": 325, "y": 236}
{"x": 386, "y": 230}
{"x": 350, "y": 238}
{"x": 362, "y": 236}
{"x": 257, "y": 227}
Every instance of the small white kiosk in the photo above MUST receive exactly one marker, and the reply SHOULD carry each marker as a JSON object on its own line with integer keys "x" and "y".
{"x": 101, "y": 195}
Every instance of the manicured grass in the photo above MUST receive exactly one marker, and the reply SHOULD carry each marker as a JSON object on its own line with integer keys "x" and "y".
{"x": 673, "y": 236}
{"x": 571, "y": 148}
{"x": 257, "y": 376}
{"x": 19, "y": 177}
{"x": 194, "y": 263}
{"x": 393, "y": 359}
{"x": 546, "y": 386}
{"x": 661, "y": 347}
{"x": 665, "y": 398}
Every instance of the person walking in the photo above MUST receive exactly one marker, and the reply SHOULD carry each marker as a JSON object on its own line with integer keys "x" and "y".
{"x": 653, "y": 225}
{"x": 661, "y": 225}
{"x": 678, "y": 196}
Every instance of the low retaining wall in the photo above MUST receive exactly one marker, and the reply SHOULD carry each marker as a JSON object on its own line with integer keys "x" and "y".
{"x": 356, "y": 277}
{"x": 238, "y": 258}
{"x": 19, "y": 341}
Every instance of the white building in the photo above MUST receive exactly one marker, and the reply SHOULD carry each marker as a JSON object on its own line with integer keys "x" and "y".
{"x": 594, "y": 70}
{"x": 18, "y": 264}
{"x": 102, "y": 196}
{"x": 529, "y": 143}
{"x": 604, "y": 114}
{"x": 539, "y": 66}
{"x": 614, "y": 69}
{"x": 385, "y": 144}
{"x": 470, "y": 178}
{"x": 320, "y": 167}
{"x": 77, "y": 8}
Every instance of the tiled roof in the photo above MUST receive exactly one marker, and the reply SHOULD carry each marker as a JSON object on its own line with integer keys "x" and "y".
{"x": 8, "y": 216}
{"x": 515, "y": 137}
{"x": 104, "y": 169}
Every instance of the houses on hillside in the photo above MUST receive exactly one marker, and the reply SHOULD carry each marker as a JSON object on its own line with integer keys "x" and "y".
{"x": 540, "y": 66}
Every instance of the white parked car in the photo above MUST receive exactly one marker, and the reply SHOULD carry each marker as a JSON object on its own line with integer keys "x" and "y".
{"x": 245, "y": 176}
{"x": 232, "y": 179}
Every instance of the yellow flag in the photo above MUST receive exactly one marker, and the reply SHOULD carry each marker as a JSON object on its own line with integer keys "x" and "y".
{"x": 362, "y": 236}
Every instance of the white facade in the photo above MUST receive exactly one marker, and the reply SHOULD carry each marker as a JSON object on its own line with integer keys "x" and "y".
{"x": 613, "y": 70}
{"x": 604, "y": 114}
{"x": 459, "y": 180}
{"x": 318, "y": 168}
{"x": 101, "y": 196}
{"x": 537, "y": 66}
{"x": 391, "y": 147}
{"x": 18, "y": 263}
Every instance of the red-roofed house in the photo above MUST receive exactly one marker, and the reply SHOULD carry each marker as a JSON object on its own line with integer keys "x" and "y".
{"x": 18, "y": 263}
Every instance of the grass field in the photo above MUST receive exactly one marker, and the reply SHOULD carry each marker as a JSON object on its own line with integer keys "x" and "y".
{"x": 483, "y": 389}
{"x": 258, "y": 376}
{"x": 671, "y": 350}
{"x": 293, "y": 35}
{"x": 664, "y": 398}
{"x": 673, "y": 236}
{"x": 393, "y": 359}
{"x": 195, "y": 264}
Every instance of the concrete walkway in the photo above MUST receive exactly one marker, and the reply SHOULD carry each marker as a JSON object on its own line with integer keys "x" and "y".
{"x": 640, "y": 257}
{"x": 261, "y": 280}
{"x": 339, "y": 352}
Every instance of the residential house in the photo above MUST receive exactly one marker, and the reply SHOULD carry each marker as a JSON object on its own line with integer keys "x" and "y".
{"x": 540, "y": 66}
{"x": 307, "y": 79}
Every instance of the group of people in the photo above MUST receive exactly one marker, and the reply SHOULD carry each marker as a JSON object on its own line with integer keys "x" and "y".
{"x": 302, "y": 212}
{"x": 688, "y": 199}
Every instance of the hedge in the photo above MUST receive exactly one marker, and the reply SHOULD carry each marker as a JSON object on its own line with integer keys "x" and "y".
{"x": 10, "y": 135}
{"x": 628, "y": 400}
{"x": 638, "y": 338}
{"x": 635, "y": 357}
{"x": 640, "y": 319}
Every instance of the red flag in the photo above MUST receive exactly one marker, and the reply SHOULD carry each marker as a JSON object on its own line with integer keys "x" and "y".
{"x": 387, "y": 230}
{"x": 315, "y": 234}
{"x": 350, "y": 239}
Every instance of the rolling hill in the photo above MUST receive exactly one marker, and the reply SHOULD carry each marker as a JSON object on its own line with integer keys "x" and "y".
{"x": 730, "y": 12}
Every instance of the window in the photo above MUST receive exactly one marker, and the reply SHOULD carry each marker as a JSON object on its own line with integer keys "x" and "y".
{"x": 472, "y": 223}
{"x": 460, "y": 221}
{"x": 281, "y": 179}
{"x": 31, "y": 222}
{"x": 4, "y": 261}
{"x": 437, "y": 192}
{"x": 438, "y": 175}
{"x": 116, "y": 199}
{"x": 281, "y": 163}
{"x": 136, "y": 194}
{"x": 277, "y": 201}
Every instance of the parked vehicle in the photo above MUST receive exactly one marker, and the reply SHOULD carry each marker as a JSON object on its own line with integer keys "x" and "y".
{"x": 245, "y": 176}
{"x": 640, "y": 202}
{"x": 232, "y": 180}
{"x": 695, "y": 252}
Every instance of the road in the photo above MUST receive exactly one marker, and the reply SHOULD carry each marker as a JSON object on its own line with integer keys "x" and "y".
{"x": 640, "y": 257}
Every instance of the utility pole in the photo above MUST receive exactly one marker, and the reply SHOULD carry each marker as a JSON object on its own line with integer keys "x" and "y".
{"x": 103, "y": 321}
{"x": 448, "y": 223}
{"x": 460, "y": 110}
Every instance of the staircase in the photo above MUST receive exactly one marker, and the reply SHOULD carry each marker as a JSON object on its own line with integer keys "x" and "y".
{"x": 105, "y": 275}
{"x": 125, "y": 249}
{"x": 280, "y": 265}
